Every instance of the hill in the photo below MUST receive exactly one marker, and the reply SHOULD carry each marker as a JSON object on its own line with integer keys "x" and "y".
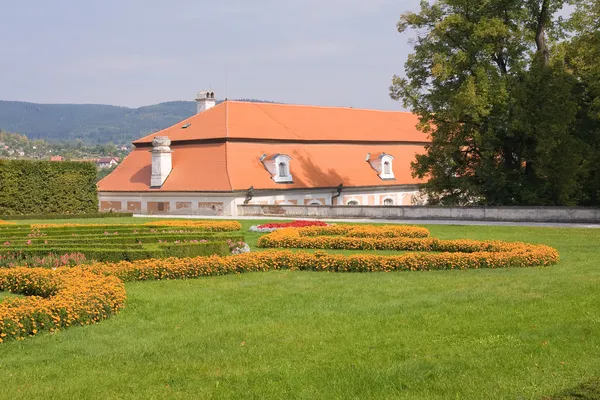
{"x": 92, "y": 123}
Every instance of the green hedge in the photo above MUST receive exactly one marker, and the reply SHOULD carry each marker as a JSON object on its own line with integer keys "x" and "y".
{"x": 67, "y": 216}
{"x": 127, "y": 253}
{"x": 95, "y": 241}
{"x": 25, "y": 230}
{"x": 45, "y": 187}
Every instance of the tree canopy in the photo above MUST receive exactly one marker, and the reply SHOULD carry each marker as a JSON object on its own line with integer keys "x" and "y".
{"x": 508, "y": 91}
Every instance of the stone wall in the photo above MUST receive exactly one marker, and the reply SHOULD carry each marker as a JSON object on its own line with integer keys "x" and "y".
{"x": 525, "y": 214}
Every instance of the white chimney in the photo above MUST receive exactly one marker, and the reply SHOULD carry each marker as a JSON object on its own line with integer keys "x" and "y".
{"x": 205, "y": 100}
{"x": 161, "y": 160}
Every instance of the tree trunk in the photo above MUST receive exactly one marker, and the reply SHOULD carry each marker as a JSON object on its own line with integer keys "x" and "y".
{"x": 540, "y": 35}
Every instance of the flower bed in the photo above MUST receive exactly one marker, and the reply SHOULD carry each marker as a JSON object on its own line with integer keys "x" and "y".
{"x": 6, "y": 222}
{"x": 294, "y": 224}
{"x": 56, "y": 299}
{"x": 367, "y": 231}
{"x": 266, "y": 228}
{"x": 352, "y": 237}
{"x": 386, "y": 238}
{"x": 179, "y": 268}
{"x": 210, "y": 226}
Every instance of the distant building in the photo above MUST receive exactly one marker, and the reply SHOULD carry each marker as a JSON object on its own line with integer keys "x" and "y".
{"x": 57, "y": 158}
{"x": 107, "y": 162}
{"x": 250, "y": 153}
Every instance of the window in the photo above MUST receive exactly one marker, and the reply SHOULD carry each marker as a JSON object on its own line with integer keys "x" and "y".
{"x": 388, "y": 202}
{"x": 278, "y": 166}
{"x": 387, "y": 168}
{"x": 283, "y": 169}
{"x": 352, "y": 203}
{"x": 383, "y": 164}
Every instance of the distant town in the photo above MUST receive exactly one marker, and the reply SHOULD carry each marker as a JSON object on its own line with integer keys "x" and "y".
{"x": 106, "y": 156}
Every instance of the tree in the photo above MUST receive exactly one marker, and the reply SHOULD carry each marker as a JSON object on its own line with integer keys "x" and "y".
{"x": 488, "y": 81}
{"x": 582, "y": 55}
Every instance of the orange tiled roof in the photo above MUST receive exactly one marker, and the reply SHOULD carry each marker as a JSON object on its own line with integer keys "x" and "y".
{"x": 338, "y": 141}
{"x": 242, "y": 120}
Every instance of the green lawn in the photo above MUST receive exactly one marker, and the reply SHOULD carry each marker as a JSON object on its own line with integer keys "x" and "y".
{"x": 478, "y": 334}
{"x": 4, "y": 295}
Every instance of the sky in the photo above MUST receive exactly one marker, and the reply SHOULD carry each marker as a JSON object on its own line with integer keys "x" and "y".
{"x": 141, "y": 52}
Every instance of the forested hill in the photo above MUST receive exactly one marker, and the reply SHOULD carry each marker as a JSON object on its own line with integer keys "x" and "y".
{"x": 92, "y": 123}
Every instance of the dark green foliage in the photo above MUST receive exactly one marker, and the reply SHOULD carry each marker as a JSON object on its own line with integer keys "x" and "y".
{"x": 43, "y": 187}
{"x": 67, "y": 216}
{"x": 507, "y": 97}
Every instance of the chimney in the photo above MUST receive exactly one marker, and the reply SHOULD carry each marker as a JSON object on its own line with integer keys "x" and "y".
{"x": 161, "y": 160}
{"x": 205, "y": 100}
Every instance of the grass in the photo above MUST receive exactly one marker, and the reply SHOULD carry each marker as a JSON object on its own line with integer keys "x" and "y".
{"x": 5, "y": 295}
{"x": 479, "y": 334}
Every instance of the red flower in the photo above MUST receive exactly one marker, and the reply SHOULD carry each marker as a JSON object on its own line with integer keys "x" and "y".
{"x": 293, "y": 224}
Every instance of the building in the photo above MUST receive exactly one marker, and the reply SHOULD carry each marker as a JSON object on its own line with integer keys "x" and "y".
{"x": 57, "y": 158}
{"x": 107, "y": 162}
{"x": 258, "y": 153}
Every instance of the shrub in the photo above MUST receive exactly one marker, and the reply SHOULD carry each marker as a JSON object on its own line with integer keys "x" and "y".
{"x": 44, "y": 187}
{"x": 69, "y": 216}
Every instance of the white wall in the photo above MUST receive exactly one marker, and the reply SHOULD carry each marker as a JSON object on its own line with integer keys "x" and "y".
{"x": 231, "y": 201}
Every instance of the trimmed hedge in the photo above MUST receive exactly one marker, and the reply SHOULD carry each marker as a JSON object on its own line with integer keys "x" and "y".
{"x": 68, "y": 216}
{"x": 99, "y": 241}
{"x": 114, "y": 242}
{"x": 116, "y": 253}
{"x": 45, "y": 187}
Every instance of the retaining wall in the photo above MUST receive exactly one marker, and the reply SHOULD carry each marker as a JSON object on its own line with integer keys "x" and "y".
{"x": 522, "y": 214}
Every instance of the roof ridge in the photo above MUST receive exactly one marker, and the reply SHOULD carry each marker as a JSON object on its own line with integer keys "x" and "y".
{"x": 320, "y": 106}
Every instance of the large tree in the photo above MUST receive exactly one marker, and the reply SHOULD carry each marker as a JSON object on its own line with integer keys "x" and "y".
{"x": 489, "y": 83}
{"x": 583, "y": 60}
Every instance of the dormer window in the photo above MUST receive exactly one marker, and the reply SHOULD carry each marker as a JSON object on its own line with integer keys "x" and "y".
{"x": 387, "y": 168}
{"x": 382, "y": 163}
{"x": 283, "y": 169}
{"x": 278, "y": 166}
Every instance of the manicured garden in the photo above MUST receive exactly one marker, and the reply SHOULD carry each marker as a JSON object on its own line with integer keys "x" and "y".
{"x": 55, "y": 244}
{"x": 464, "y": 333}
